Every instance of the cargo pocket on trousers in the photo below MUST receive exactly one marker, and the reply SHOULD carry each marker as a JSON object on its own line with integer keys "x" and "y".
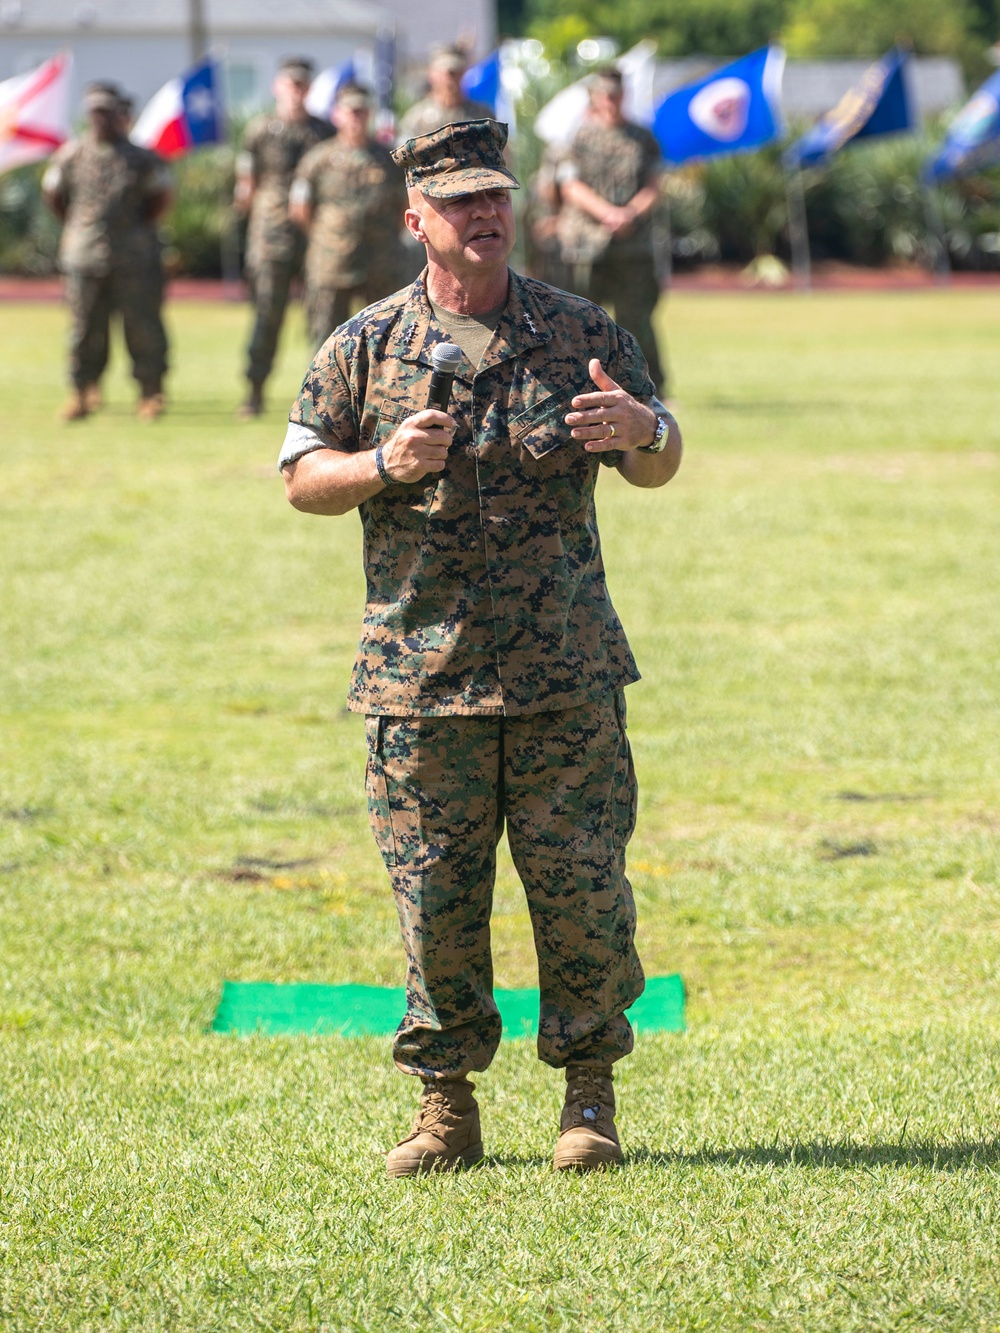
{"x": 626, "y": 786}
{"x": 379, "y": 814}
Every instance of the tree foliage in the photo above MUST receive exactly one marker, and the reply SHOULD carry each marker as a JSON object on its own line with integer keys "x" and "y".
{"x": 681, "y": 27}
{"x": 730, "y": 27}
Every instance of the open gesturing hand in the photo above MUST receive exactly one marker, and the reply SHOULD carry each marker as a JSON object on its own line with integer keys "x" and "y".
{"x": 610, "y": 418}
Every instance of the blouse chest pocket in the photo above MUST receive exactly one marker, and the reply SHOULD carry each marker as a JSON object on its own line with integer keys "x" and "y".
{"x": 542, "y": 428}
{"x": 406, "y": 503}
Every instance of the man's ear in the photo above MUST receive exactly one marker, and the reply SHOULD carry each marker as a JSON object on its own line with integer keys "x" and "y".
{"x": 415, "y": 225}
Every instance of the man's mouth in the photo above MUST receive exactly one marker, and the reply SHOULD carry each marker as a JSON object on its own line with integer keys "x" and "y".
{"x": 485, "y": 234}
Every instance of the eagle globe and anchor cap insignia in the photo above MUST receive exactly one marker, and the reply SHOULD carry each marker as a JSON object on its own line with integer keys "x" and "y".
{"x": 457, "y": 159}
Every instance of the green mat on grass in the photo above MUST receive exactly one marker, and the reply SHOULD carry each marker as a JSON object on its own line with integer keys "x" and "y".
{"x": 353, "y": 1011}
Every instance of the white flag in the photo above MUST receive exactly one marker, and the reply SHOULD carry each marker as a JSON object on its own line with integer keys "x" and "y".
{"x": 34, "y": 113}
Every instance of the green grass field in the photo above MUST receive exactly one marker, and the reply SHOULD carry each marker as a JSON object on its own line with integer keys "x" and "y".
{"x": 815, "y": 605}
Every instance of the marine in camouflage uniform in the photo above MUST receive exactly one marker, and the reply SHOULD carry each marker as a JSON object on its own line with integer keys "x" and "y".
{"x": 110, "y": 193}
{"x": 445, "y": 103}
{"x": 492, "y": 664}
{"x": 273, "y": 146}
{"x": 350, "y": 197}
{"x": 609, "y": 184}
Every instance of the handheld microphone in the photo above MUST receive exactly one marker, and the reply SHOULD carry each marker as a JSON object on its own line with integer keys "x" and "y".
{"x": 444, "y": 358}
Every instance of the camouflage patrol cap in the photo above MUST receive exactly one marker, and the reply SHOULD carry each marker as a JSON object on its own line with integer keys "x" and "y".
{"x": 102, "y": 97}
{"x": 300, "y": 69}
{"x": 607, "y": 79}
{"x": 457, "y": 159}
{"x": 353, "y": 95}
{"x": 449, "y": 57}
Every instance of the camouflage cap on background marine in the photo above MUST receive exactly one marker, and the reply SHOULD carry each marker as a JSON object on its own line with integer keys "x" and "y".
{"x": 300, "y": 69}
{"x": 353, "y": 95}
{"x": 449, "y": 57}
{"x": 102, "y": 96}
{"x": 457, "y": 159}
{"x": 607, "y": 79}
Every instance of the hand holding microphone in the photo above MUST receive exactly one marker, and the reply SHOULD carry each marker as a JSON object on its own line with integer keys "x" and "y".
{"x": 420, "y": 444}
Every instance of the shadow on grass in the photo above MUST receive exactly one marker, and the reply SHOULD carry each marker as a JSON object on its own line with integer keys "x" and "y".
{"x": 959, "y": 1156}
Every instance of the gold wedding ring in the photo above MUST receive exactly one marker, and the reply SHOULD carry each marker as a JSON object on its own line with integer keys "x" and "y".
{"x": 610, "y": 428}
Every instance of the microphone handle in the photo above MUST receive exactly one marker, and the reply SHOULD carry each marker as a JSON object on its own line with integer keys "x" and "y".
{"x": 439, "y": 394}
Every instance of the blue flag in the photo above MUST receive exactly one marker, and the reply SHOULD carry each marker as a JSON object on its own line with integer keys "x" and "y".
{"x": 481, "y": 83}
{"x": 973, "y": 137}
{"x": 879, "y": 104}
{"x": 484, "y": 83}
{"x": 730, "y": 111}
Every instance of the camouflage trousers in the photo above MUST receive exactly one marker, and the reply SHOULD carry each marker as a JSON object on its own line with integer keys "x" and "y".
{"x": 270, "y": 283}
{"x": 440, "y": 790}
{"x": 138, "y": 295}
{"x": 629, "y": 284}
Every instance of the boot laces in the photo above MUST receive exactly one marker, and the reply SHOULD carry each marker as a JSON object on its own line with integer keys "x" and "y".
{"x": 436, "y": 1108}
{"x": 590, "y": 1100}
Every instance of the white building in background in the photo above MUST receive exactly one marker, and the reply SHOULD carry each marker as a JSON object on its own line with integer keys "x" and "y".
{"x": 140, "y": 44}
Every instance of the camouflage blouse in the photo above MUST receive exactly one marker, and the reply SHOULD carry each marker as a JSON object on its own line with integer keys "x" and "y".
{"x": 106, "y": 190}
{"x": 358, "y": 199}
{"x": 486, "y": 588}
{"x": 272, "y": 149}
{"x": 616, "y": 162}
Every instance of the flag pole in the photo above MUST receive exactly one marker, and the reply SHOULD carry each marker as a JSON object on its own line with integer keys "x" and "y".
{"x": 197, "y": 30}
{"x": 940, "y": 259}
{"x": 798, "y": 226}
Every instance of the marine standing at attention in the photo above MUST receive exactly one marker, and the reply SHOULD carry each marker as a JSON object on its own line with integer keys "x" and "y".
{"x": 445, "y": 103}
{"x": 609, "y": 181}
{"x": 348, "y": 196}
{"x": 273, "y": 146}
{"x": 492, "y": 665}
{"x": 109, "y": 194}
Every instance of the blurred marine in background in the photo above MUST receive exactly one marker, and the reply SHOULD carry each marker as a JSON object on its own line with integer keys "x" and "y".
{"x": 609, "y": 183}
{"x": 349, "y": 197}
{"x": 445, "y": 103}
{"x": 109, "y": 194}
{"x": 273, "y": 146}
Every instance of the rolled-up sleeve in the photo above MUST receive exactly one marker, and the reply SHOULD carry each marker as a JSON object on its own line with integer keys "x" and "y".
{"x": 299, "y": 441}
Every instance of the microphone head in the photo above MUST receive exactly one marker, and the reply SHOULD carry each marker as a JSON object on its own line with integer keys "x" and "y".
{"x": 446, "y": 356}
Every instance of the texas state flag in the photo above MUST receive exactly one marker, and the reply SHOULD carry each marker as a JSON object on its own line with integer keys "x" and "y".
{"x": 732, "y": 110}
{"x": 184, "y": 114}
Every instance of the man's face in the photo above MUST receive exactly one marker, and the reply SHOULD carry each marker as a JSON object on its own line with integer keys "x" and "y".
{"x": 466, "y": 234}
{"x": 606, "y": 105}
{"x": 446, "y": 84}
{"x": 104, "y": 123}
{"x": 289, "y": 95}
{"x": 351, "y": 122}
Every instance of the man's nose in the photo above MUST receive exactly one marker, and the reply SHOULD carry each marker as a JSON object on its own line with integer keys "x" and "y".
{"x": 484, "y": 206}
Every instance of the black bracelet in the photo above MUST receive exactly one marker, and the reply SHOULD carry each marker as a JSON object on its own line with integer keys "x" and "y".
{"x": 380, "y": 467}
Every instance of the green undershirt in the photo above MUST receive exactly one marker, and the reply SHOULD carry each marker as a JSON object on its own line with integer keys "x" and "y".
{"x": 473, "y": 333}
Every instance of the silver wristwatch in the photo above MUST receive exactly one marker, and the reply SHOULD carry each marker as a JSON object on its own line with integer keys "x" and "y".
{"x": 659, "y": 438}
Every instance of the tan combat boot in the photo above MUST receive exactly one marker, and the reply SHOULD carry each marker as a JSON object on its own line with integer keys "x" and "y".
{"x": 445, "y": 1135}
{"x": 93, "y": 397}
{"x": 76, "y": 409}
{"x": 254, "y": 404}
{"x": 588, "y": 1140}
{"x": 151, "y": 405}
